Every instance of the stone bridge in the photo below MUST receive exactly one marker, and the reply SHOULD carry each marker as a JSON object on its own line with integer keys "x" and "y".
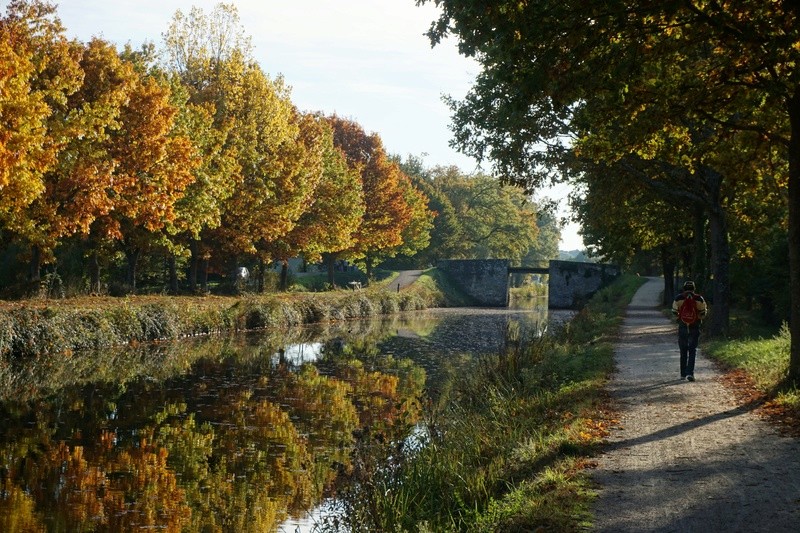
{"x": 570, "y": 283}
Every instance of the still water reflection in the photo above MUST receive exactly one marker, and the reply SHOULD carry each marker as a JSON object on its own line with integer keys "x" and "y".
{"x": 235, "y": 434}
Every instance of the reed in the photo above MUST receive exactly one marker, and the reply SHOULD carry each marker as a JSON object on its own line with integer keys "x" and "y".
{"x": 31, "y": 329}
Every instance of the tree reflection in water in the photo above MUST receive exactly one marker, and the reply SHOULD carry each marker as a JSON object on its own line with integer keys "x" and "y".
{"x": 223, "y": 435}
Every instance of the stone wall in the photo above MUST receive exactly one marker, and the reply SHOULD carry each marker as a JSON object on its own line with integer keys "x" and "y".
{"x": 486, "y": 280}
{"x": 571, "y": 283}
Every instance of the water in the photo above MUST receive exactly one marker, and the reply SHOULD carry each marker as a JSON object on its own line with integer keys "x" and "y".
{"x": 232, "y": 434}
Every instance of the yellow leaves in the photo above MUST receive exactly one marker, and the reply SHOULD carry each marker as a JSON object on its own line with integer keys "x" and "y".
{"x": 18, "y": 512}
{"x": 25, "y": 151}
{"x": 593, "y": 431}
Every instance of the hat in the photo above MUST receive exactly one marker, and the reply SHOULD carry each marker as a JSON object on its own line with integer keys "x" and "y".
{"x": 688, "y": 286}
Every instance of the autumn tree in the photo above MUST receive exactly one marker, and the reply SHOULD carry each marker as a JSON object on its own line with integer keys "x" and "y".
{"x": 334, "y": 209}
{"x": 416, "y": 235}
{"x": 39, "y": 73}
{"x": 446, "y": 236}
{"x": 155, "y": 166}
{"x": 276, "y": 177}
{"x": 277, "y": 173}
{"x": 204, "y": 52}
{"x": 387, "y": 211}
{"x": 201, "y": 206}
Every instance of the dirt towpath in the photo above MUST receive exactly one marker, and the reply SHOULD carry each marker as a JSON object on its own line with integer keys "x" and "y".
{"x": 685, "y": 457}
{"x": 404, "y": 279}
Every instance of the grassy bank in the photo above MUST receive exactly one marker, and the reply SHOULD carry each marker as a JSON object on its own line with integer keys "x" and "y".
{"x": 36, "y": 327}
{"x": 507, "y": 448}
{"x": 760, "y": 364}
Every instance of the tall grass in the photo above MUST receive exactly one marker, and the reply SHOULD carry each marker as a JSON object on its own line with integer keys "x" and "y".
{"x": 505, "y": 450}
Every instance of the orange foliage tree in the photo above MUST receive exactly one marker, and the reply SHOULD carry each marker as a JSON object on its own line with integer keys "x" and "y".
{"x": 154, "y": 167}
{"x": 387, "y": 211}
{"x": 332, "y": 211}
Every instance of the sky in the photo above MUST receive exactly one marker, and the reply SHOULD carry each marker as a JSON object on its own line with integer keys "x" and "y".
{"x": 366, "y": 60}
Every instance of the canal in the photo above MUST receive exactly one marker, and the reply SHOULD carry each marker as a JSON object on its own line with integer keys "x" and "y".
{"x": 247, "y": 433}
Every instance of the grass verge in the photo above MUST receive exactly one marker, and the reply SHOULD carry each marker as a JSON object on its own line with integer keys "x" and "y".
{"x": 507, "y": 448}
{"x": 758, "y": 369}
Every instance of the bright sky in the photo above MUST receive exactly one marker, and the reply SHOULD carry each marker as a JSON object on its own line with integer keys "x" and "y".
{"x": 367, "y": 60}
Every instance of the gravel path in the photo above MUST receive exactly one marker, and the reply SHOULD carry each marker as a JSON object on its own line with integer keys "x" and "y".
{"x": 404, "y": 279}
{"x": 684, "y": 456}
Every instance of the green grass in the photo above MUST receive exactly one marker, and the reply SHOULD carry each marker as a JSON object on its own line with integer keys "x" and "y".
{"x": 435, "y": 282}
{"x": 765, "y": 360}
{"x": 506, "y": 449}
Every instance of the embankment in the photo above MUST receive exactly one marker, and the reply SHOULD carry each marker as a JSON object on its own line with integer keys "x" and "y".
{"x": 31, "y": 328}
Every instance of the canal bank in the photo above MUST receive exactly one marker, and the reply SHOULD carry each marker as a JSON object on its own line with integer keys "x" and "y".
{"x": 507, "y": 446}
{"x": 239, "y": 432}
{"x": 196, "y": 435}
{"x": 34, "y": 327}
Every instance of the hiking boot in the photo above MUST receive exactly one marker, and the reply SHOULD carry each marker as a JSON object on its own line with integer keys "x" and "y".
{"x": 690, "y": 377}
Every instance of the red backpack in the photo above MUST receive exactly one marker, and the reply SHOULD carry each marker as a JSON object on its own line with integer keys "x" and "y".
{"x": 687, "y": 313}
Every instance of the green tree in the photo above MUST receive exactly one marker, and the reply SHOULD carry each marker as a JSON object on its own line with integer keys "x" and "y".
{"x": 548, "y": 238}
{"x": 709, "y": 66}
{"x": 501, "y": 218}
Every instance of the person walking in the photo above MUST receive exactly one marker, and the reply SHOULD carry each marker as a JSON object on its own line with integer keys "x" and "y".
{"x": 690, "y": 309}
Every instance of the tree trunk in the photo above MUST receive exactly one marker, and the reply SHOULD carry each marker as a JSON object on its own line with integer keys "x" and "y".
{"x": 193, "y": 265}
{"x": 173, "y": 274}
{"x": 720, "y": 257}
{"x": 35, "y": 265}
{"x": 94, "y": 273}
{"x": 699, "y": 267}
{"x": 132, "y": 256}
{"x": 794, "y": 236}
{"x": 204, "y": 274}
{"x": 262, "y": 273}
{"x": 330, "y": 262}
{"x": 368, "y": 263}
{"x": 284, "y": 275}
{"x": 668, "y": 270}
{"x": 235, "y": 285}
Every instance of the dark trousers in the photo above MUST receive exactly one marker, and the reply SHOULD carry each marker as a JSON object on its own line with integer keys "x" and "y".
{"x": 688, "y": 336}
